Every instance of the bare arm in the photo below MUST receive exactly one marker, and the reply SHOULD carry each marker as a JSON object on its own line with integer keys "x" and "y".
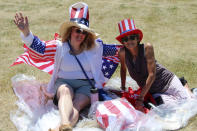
{"x": 122, "y": 68}
{"x": 150, "y": 58}
{"x": 22, "y": 23}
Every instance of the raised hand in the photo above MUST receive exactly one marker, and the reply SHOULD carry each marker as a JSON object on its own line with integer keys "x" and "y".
{"x": 22, "y": 23}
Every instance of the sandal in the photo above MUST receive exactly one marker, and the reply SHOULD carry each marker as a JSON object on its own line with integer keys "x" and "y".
{"x": 51, "y": 129}
{"x": 65, "y": 128}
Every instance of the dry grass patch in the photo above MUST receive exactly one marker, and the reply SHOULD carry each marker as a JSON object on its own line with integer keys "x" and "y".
{"x": 170, "y": 25}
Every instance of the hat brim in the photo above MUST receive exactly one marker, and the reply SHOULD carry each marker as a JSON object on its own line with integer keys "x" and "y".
{"x": 66, "y": 25}
{"x": 136, "y": 31}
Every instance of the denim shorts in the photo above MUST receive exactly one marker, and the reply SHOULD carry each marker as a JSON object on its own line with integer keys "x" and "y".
{"x": 78, "y": 86}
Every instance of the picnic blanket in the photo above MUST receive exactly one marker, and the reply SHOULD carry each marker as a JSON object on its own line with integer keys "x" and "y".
{"x": 33, "y": 115}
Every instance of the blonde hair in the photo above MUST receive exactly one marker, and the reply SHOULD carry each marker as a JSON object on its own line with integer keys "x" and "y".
{"x": 87, "y": 44}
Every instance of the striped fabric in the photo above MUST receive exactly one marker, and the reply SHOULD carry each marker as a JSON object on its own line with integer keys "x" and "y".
{"x": 77, "y": 12}
{"x": 116, "y": 114}
{"x": 41, "y": 55}
{"x": 126, "y": 25}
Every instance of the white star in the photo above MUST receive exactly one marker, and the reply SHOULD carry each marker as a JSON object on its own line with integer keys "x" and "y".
{"x": 108, "y": 60}
{"x": 104, "y": 67}
{"x": 106, "y": 73}
{"x": 111, "y": 66}
{"x": 82, "y": 21}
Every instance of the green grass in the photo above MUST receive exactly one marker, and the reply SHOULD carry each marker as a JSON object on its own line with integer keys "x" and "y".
{"x": 170, "y": 25}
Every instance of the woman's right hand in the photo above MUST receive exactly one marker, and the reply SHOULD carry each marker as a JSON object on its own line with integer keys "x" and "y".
{"x": 22, "y": 23}
{"x": 47, "y": 95}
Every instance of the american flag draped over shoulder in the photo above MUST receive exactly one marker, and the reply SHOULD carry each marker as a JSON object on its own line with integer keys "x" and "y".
{"x": 41, "y": 55}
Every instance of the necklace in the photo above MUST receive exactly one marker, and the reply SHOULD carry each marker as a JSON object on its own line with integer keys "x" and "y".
{"x": 75, "y": 52}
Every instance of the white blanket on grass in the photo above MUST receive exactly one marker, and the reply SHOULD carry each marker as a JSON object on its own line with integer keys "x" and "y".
{"x": 33, "y": 115}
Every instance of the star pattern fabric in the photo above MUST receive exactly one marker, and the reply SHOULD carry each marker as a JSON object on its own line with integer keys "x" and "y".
{"x": 110, "y": 60}
{"x": 41, "y": 55}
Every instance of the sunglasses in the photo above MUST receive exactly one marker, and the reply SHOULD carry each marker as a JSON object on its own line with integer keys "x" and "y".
{"x": 80, "y": 31}
{"x": 130, "y": 37}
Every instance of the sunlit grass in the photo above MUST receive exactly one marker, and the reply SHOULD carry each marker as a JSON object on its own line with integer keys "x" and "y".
{"x": 170, "y": 25}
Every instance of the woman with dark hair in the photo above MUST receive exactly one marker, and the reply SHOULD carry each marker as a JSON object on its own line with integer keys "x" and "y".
{"x": 140, "y": 61}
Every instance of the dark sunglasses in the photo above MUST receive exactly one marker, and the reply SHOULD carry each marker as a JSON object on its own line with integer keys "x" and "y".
{"x": 130, "y": 37}
{"x": 78, "y": 31}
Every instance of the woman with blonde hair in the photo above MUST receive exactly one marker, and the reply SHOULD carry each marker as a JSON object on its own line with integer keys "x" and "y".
{"x": 72, "y": 88}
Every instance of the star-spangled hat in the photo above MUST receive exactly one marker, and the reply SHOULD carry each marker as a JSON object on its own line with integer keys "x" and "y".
{"x": 79, "y": 17}
{"x": 127, "y": 27}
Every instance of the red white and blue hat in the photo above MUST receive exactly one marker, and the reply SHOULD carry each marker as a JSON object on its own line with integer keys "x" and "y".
{"x": 127, "y": 27}
{"x": 79, "y": 17}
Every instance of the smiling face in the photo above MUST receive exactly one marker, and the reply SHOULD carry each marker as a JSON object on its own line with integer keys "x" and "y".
{"x": 78, "y": 35}
{"x": 130, "y": 41}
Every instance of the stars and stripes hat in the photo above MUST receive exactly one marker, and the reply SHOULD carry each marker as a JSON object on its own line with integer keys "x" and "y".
{"x": 127, "y": 27}
{"x": 79, "y": 17}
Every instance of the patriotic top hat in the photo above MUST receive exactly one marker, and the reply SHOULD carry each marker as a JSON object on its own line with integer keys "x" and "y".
{"x": 127, "y": 27}
{"x": 79, "y": 17}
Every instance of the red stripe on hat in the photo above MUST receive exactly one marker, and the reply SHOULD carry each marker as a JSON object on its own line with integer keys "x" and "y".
{"x": 119, "y": 28}
{"x": 129, "y": 22}
{"x": 123, "y": 25}
{"x": 73, "y": 12}
{"x": 134, "y": 24}
{"x": 87, "y": 17}
{"x": 81, "y": 13}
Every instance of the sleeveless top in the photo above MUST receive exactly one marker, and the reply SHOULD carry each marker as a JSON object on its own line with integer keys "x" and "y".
{"x": 139, "y": 72}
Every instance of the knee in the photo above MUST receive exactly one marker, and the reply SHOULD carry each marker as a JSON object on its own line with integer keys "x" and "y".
{"x": 77, "y": 106}
{"x": 63, "y": 90}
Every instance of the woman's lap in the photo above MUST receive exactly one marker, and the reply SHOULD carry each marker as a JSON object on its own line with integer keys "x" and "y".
{"x": 176, "y": 91}
{"x": 76, "y": 85}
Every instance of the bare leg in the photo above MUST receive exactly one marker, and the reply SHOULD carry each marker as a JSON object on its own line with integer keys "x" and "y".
{"x": 65, "y": 103}
{"x": 80, "y": 101}
{"x": 69, "y": 111}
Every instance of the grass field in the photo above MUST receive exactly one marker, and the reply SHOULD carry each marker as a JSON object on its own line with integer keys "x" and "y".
{"x": 170, "y": 25}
